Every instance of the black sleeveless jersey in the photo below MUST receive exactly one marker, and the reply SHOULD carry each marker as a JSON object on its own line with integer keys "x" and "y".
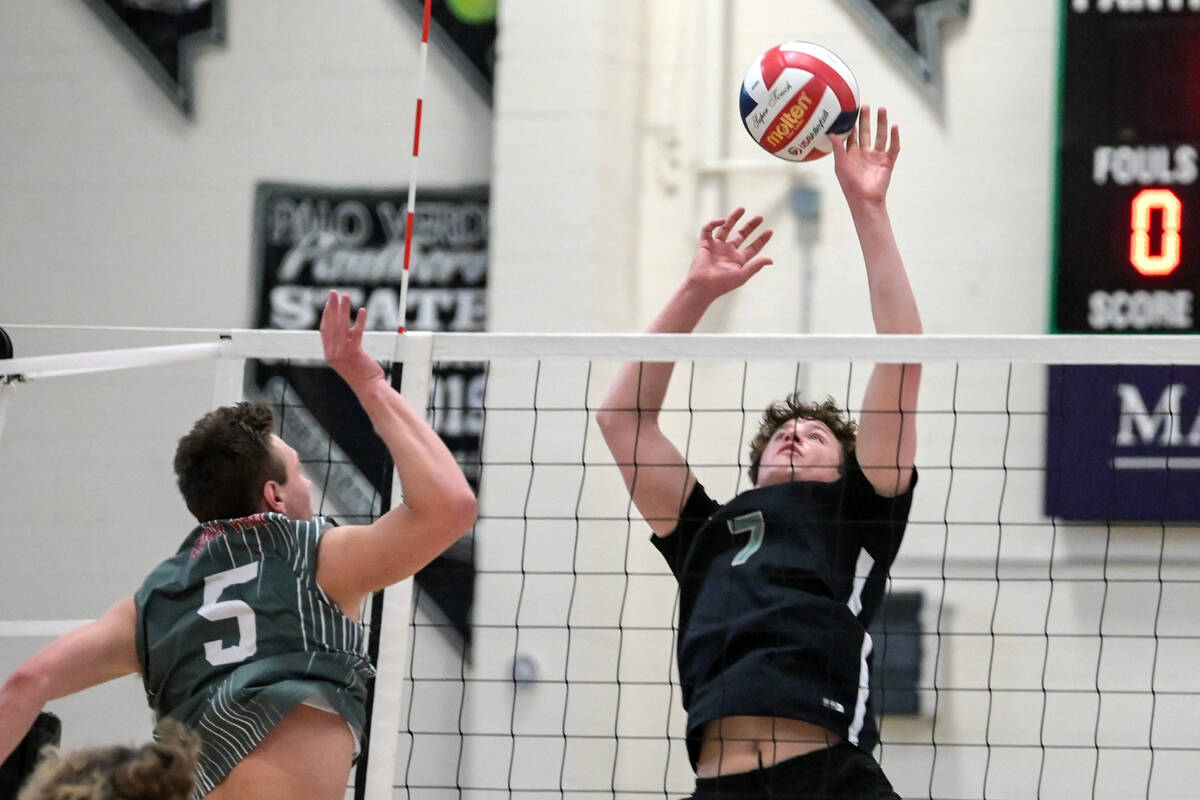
{"x": 777, "y": 588}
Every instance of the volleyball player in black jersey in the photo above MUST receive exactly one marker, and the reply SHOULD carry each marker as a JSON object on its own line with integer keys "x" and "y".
{"x": 778, "y": 586}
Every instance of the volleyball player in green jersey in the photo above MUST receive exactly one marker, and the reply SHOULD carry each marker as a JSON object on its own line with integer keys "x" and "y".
{"x": 249, "y": 634}
{"x": 778, "y": 586}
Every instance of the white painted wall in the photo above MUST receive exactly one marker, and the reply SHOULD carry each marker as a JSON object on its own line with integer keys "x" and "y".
{"x": 119, "y": 212}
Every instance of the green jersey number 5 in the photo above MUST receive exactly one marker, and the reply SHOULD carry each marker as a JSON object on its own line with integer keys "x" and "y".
{"x": 215, "y": 610}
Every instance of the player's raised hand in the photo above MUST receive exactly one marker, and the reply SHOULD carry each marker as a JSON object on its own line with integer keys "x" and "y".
{"x": 342, "y": 340}
{"x": 726, "y": 256}
{"x": 863, "y": 164}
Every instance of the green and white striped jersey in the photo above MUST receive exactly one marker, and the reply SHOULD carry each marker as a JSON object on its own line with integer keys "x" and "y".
{"x": 233, "y": 632}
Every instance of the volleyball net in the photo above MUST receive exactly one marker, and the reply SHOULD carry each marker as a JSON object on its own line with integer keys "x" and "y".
{"x": 1018, "y": 654}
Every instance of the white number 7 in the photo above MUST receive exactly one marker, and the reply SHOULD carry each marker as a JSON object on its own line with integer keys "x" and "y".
{"x": 757, "y": 526}
{"x": 214, "y": 611}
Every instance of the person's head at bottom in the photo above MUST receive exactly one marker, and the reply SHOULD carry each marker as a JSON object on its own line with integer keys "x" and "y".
{"x": 161, "y": 770}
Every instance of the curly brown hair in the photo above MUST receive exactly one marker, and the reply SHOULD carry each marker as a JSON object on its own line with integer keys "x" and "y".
{"x": 795, "y": 407}
{"x": 223, "y": 462}
{"x": 161, "y": 770}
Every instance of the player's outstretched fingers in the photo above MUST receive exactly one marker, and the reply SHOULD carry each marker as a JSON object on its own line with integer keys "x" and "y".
{"x": 706, "y": 233}
{"x": 746, "y": 230}
{"x": 839, "y": 142}
{"x": 753, "y": 266}
{"x": 881, "y": 135}
{"x": 330, "y": 310}
{"x": 342, "y": 308}
{"x": 335, "y": 319}
{"x": 864, "y": 127}
{"x": 758, "y": 244}
{"x": 729, "y": 223}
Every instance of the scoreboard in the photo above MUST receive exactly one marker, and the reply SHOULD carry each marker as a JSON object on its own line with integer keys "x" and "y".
{"x": 1127, "y": 216}
{"x": 1123, "y": 442}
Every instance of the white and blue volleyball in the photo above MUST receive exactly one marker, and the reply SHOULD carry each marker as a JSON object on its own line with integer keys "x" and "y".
{"x": 794, "y": 96}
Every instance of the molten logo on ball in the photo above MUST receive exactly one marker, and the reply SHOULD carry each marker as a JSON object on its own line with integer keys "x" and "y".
{"x": 784, "y": 128}
{"x": 790, "y": 95}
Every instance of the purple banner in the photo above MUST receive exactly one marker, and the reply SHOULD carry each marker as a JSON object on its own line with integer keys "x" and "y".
{"x": 1123, "y": 443}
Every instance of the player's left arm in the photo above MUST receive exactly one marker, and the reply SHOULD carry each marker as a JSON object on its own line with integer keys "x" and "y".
{"x": 887, "y": 434}
{"x": 87, "y": 656}
{"x": 438, "y": 505}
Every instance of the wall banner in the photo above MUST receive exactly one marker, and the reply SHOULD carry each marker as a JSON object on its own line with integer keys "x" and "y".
{"x": 912, "y": 31}
{"x": 165, "y": 36}
{"x": 311, "y": 239}
{"x": 1123, "y": 443}
{"x": 466, "y": 31}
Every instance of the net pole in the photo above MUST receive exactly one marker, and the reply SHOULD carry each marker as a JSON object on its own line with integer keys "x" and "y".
{"x": 6, "y": 393}
{"x": 6, "y": 390}
{"x": 412, "y": 175}
{"x": 394, "y": 633}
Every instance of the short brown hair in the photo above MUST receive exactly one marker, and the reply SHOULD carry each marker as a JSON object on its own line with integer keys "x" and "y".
{"x": 223, "y": 462}
{"x": 162, "y": 770}
{"x": 794, "y": 407}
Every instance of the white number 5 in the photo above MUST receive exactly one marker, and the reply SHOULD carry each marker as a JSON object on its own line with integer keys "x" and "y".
{"x": 756, "y": 525}
{"x": 214, "y": 611}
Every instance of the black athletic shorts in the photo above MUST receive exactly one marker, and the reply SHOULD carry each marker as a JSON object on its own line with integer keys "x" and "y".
{"x": 842, "y": 771}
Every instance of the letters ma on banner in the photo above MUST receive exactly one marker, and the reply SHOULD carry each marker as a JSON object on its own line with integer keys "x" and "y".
{"x": 1123, "y": 443}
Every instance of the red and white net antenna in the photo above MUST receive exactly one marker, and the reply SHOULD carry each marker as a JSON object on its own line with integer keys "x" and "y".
{"x": 412, "y": 175}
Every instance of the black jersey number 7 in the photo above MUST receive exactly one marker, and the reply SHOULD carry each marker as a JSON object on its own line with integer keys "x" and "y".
{"x": 757, "y": 528}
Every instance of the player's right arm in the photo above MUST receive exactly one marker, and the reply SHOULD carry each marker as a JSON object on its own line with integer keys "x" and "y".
{"x": 87, "y": 656}
{"x": 438, "y": 505}
{"x": 655, "y": 473}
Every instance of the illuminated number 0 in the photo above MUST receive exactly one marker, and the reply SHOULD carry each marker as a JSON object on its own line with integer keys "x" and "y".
{"x": 754, "y": 523}
{"x": 214, "y": 611}
{"x": 1167, "y": 260}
